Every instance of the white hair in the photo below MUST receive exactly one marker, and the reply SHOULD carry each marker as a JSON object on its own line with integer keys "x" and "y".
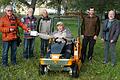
{"x": 8, "y": 7}
{"x": 30, "y": 9}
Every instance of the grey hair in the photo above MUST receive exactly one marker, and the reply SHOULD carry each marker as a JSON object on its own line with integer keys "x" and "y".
{"x": 8, "y": 7}
{"x": 30, "y": 9}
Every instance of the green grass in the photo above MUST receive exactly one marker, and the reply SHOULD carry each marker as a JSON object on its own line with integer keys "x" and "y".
{"x": 28, "y": 69}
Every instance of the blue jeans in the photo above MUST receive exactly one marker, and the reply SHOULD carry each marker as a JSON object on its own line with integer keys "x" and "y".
{"x": 43, "y": 47}
{"x": 109, "y": 47}
{"x": 28, "y": 47}
{"x": 6, "y": 45}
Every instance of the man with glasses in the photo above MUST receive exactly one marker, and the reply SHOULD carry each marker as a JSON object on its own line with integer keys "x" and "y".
{"x": 110, "y": 34}
{"x": 9, "y": 27}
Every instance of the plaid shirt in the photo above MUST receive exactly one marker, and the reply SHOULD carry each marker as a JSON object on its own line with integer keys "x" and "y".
{"x": 31, "y": 23}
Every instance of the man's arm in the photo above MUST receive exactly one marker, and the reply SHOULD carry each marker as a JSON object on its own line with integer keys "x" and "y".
{"x": 22, "y": 25}
{"x": 117, "y": 32}
{"x": 97, "y": 27}
{"x": 82, "y": 27}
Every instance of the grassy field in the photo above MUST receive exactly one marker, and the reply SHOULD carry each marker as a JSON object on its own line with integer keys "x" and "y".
{"x": 28, "y": 69}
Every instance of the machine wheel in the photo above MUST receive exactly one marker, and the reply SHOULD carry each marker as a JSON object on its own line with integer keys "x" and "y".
{"x": 43, "y": 69}
{"x": 75, "y": 71}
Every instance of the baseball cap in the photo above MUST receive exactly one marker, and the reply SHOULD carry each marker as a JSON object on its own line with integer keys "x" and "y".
{"x": 59, "y": 23}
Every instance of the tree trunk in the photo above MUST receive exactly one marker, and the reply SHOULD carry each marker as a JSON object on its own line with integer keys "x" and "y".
{"x": 59, "y": 7}
{"x": 33, "y": 3}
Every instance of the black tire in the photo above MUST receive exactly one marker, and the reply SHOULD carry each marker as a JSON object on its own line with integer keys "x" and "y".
{"x": 41, "y": 69}
{"x": 75, "y": 71}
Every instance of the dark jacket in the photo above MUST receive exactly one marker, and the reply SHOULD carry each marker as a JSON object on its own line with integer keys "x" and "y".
{"x": 114, "y": 30}
{"x": 90, "y": 26}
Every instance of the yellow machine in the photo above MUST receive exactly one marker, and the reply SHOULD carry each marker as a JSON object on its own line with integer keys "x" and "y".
{"x": 57, "y": 63}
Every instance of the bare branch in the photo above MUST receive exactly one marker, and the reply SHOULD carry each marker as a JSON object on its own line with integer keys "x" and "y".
{"x": 25, "y": 2}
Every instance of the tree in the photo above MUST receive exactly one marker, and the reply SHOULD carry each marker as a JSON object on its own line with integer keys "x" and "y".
{"x": 4, "y": 2}
{"x": 74, "y": 5}
{"x": 101, "y": 6}
{"x": 29, "y": 3}
{"x": 56, "y": 4}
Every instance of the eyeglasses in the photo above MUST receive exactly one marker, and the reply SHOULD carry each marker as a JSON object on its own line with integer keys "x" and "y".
{"x": 9, "y": 10}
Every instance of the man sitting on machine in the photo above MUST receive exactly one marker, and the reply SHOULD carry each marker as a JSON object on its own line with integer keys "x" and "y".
{"x": 62, "y": 42}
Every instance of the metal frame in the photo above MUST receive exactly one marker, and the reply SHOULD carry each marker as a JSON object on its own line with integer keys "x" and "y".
{"x": 62, "y": 17}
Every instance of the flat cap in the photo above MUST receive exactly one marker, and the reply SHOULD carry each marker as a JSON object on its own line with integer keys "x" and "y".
{"x": 59, "y": 23}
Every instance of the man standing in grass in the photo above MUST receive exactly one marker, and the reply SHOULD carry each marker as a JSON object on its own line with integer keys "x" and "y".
{"x": 90, "y": 30}
{"x": 44, "y": 26}
{"x": 29, "y": 41}
{"x": 9, "y": 27}
{"x": 110, "y": 33}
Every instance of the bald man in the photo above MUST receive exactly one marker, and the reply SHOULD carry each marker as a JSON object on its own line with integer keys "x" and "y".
{"x": 110, "y": 34}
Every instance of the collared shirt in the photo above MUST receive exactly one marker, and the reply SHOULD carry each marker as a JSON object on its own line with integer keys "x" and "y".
{"x": 31, "y": 23}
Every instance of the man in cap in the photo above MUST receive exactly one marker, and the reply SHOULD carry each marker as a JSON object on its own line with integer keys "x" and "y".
{"x": 63, "y": 35}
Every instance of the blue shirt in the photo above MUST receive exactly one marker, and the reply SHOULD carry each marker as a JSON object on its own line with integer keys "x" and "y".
{"x": 107, "y": 33}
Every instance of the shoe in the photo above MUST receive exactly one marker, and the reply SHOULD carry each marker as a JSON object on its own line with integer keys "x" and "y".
{"x": 105, "y": 62}
{"x": 82, "y": 61}
{"x": 89, "y": 58}
{"x": 14, "y": 63}
{"x": 112, "y": 64}
{"x": 41, "y": 57}
{"x": 90, "y": 61}
{"x": 4, "y": 65}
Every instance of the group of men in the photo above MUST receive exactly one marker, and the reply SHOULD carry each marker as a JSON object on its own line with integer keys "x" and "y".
{"x": 89, "y": 31}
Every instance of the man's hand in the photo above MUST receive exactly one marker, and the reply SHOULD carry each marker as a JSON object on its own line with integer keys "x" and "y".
{"x": 28, "y": 30}
{"x": 82, "y": 36}
{"x": 102, "y": 40}
{"x": 11, "y": 29}
{"x": 95, "y": 37}
{"x": 111, "y": 41}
